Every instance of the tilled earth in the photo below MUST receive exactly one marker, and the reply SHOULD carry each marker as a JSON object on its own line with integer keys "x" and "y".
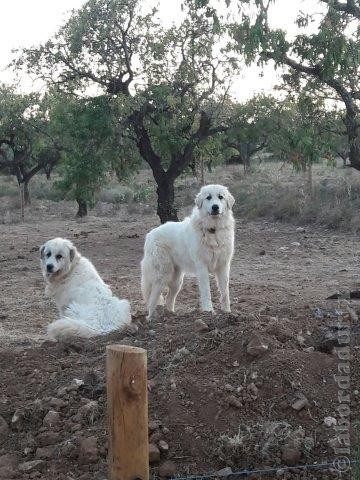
{"x": 247, "y": 390}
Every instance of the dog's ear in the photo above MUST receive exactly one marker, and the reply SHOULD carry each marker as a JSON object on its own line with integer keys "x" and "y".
{"x": 199, "y": 200}
{"x": 41, "y": 250}
{"x": 72, "y": 253}
{"x": 230, "y": 200}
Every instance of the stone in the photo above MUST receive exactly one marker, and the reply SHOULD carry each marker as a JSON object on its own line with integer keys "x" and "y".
{"x": 51, "y": 418}
{"x": 224, "y": 472}
{"x": 257, "y": 347}
{"x": 48, "y": 438}
{"x": 154, "y": 453}
{"x": 234, "y": 402}
{"x": 163, "y": 446}
{"x": 201, "y": 326}
{"x": 57, "y": 403}
{"x": 154, "y": 425}
{"x": 44, "y": 453}
{"x": 329, "y": 421}
{"x": 33, "y": 465}
{"x": 252, "y": 389}
{"x": 300, "y": 403}
{"x": 291, "y": 454}
{"x": 4, "y": 430}
{"x": 8, "y": 466}
{"x": 167, "y": 469}
{"x": 88, "y": 450}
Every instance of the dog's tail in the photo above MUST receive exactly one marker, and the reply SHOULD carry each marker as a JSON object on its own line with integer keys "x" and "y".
{"x": 146, "y": 281}
{"x": 86, "y": 321}
{"x": 66, "y": 327}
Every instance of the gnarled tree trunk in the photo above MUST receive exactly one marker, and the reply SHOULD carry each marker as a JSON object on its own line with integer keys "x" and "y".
{"x": 82, "y": 208}
{"x": 165, "y": 202}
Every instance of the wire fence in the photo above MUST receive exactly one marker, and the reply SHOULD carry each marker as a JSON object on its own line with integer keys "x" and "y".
{"x": 342, "y": 466}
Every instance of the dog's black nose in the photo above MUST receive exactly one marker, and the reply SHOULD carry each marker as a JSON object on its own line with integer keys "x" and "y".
{"x": 215, "y": 208}
{"x": 49, "y": 268}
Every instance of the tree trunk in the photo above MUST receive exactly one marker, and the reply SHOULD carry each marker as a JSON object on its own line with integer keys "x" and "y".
{"x": 166, "y": 197}
{"x": 247, "y": 165}
{"x": 27, "y": 199}
{"x": 82, "y": 210}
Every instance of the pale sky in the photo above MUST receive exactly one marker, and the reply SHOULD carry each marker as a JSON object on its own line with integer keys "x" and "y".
{"x": 25, "y": 23}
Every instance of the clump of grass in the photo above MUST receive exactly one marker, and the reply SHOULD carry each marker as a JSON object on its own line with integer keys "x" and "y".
{"x": 334, "y": 202}
{"x": 43, "y": 189}
{"x": 119, "y": 194}
{"x": 8, "y": 189}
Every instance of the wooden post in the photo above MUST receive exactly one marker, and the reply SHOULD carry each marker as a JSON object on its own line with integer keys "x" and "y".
{"x": 127, "y": 406}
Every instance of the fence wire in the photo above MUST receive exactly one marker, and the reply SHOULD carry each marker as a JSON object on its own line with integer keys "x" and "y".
{"x": 339, "y": 467}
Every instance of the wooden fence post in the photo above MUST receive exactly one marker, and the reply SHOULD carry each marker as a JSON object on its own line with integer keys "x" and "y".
{"x": 127, "y": 407}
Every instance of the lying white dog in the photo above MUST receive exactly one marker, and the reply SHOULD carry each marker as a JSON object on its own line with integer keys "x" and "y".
{"x": 86, "y": 304}
{"x": 201, "y": 244}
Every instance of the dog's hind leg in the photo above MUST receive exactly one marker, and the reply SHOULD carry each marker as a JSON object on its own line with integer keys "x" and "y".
{"x": 175, "y": 285}
{"x": 222, "y": 278}
{"x": 154, "y": 298}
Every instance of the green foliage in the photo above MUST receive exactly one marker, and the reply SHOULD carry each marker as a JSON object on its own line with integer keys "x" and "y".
{"x": 87, "y": 129}
{"x": 301, "y": 137}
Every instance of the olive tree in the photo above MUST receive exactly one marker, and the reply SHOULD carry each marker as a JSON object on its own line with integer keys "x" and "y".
{"x": 165, "y": 81}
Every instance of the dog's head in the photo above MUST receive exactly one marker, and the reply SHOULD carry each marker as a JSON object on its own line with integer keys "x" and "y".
{"x": 214, "y": 200}
{"x": 57, "y": 257}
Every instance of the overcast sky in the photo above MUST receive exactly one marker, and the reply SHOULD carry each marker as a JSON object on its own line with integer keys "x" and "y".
{"x": 25, "y": 23}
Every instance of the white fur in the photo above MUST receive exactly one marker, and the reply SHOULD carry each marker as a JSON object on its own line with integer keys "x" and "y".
{"x": 86, "y": 304}
{"x": 201, "y": 244}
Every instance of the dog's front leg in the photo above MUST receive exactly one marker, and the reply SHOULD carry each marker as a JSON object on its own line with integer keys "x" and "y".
{"x": 202, "y": 275}
{"x": 222, "y": 278}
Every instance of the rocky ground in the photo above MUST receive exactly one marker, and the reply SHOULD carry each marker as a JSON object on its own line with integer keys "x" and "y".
{"x": 253, "y": 389}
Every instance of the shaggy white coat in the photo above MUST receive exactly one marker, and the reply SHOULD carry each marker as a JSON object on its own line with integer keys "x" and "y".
{"x": 86, "y": 304}
{"x": 201, "y": 244}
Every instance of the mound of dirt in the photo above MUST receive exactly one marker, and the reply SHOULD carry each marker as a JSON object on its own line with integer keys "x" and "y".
{"x": 228, "y": 391}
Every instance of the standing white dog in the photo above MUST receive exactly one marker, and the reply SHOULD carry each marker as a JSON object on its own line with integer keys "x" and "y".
{"x": 201, "y": 244}
{"x": 86, "y": 304}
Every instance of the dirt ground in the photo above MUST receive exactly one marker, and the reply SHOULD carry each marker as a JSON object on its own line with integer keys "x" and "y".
{"x": 251, "y": 390}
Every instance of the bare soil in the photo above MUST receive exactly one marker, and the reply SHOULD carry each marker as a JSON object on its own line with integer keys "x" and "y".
{"x": 216, "y": 404}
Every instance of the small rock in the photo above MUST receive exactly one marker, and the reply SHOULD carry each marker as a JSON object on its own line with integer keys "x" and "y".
{"x": 280, "y": 472}
{"x": 256, "y": 347}
{"x": 4, "y": 430}
{"x": 51, "y": 418}
{"x": 252, "y": 388}
{"x": 57, "y": 403}
{"x": 224, "y": 472}
{"x": 301, "y": 230}
{"x": 48, "y": 438}
{"x": 180, "y": 353}
{"x": 44, "y": 453}
{"x": 234, "y": 402}
{"x": 154, "y": 453}
{"x": 167, "y": 469}
{"x": 300, "y": 403}
{"x": 229, "y": 388}
{"x": 290, "y": 454}
{"x": 154, "y": 425}
{"x": 295, "y": 244}
{"x": 8, "y": 467}
{"x": 330, "y": 421}
{"x": 88, "y": 450}
{"x": 17, "y": 419}
{"x": 27, "y": 467}
{"x": 262, "y": 252}
{"x": 163, "y": 446}
{"x": 201, "y": 326}
{"x": 61, "y": 392}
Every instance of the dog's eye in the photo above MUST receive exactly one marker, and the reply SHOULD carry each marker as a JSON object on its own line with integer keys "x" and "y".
{"x": 208, "y": 197}
{"x": 221, "y": 197}
{"x": 48, "y": 255}
{"x": 58, "y": 257}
